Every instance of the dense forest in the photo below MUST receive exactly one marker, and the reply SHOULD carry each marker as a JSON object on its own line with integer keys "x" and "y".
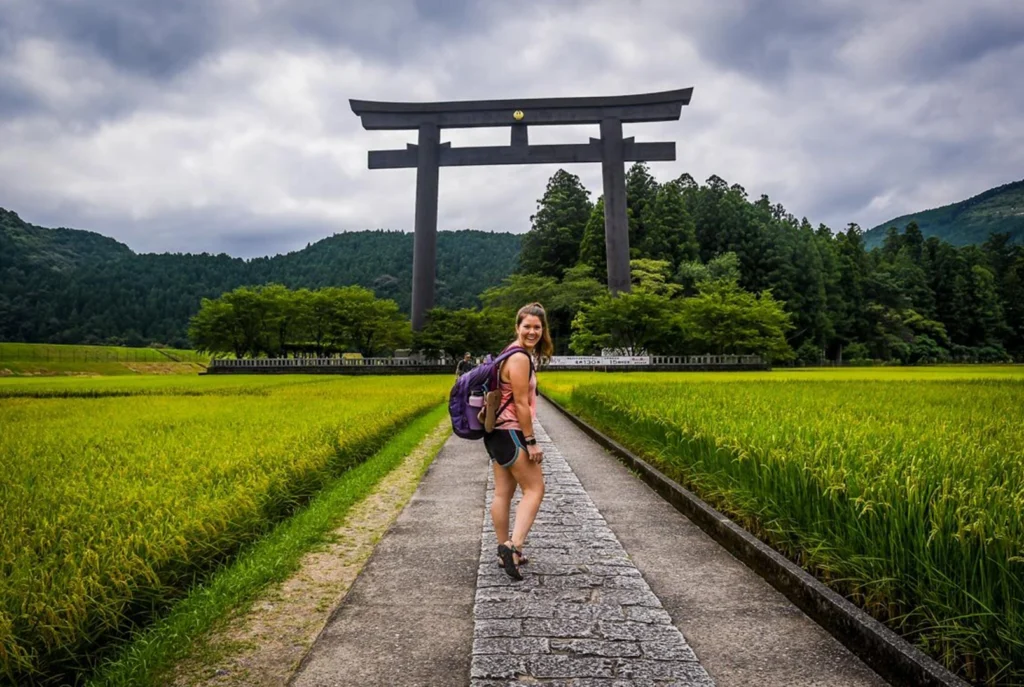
{"x": 713, "y": 269}
{"x": 910, "y": 300}
{"x": 69, "y": 286}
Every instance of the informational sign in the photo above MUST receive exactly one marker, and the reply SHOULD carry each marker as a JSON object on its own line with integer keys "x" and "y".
{"x": 589, "y": 360}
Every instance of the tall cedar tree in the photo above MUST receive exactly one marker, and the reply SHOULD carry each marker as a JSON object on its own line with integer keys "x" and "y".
{"x": 553, "y": 243}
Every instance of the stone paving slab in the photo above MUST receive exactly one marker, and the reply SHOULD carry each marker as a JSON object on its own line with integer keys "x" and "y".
{"x": 583, "y": 615}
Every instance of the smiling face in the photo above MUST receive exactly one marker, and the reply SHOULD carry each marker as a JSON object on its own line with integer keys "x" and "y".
{"x": 529, "y": 330}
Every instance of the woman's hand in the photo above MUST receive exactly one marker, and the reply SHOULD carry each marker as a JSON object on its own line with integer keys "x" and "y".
{"x": 535, "y": 453}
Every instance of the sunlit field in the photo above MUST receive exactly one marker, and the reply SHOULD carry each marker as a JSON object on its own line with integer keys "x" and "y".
{"x": 60, "y": 360}
{"x": 118, "y": 494}
{"x": 82, "y": 353}
{"x": 142, "y": 385}
{"x": 903, "y": 488}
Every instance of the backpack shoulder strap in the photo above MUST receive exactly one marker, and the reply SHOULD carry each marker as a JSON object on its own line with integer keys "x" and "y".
{"x": 508, "y": 353}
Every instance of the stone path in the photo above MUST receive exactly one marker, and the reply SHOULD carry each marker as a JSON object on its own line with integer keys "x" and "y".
{"x": 432, "y": 608}
{"x": 583, "y": 615}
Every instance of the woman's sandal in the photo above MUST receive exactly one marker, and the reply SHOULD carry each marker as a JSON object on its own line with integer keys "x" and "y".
{"x": 523, "y": 560}
{"x": 507, "y": 555}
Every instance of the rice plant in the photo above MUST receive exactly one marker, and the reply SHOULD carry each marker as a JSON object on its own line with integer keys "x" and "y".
{"x": 906, "y": 495}
{"x": 111, "y": 507}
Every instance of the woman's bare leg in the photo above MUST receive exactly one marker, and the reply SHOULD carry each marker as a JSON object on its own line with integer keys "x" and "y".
{"x": 531, "y": 480}
{"x": 504, "y": 490}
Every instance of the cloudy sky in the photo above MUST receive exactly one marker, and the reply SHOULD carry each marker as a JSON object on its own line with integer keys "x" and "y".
{"x": 224, "y": 125}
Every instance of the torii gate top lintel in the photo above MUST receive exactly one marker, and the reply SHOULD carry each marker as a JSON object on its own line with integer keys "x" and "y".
{"x": 643, "y": 107}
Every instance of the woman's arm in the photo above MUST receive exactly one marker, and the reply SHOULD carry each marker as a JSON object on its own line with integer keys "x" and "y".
{"x": 519, "y": 377}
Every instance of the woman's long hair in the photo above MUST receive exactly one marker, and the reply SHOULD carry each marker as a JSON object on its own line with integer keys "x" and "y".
{"x": 545, "y": 348}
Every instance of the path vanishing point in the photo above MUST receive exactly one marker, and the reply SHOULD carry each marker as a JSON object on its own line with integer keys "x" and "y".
{"x": 621, "y": 589}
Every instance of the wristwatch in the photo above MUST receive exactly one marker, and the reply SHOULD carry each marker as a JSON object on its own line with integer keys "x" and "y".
{"x": 531, "y": 442}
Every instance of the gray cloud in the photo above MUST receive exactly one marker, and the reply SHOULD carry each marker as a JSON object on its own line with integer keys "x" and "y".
{"x": 955, "y": 37}
{"x": 225, "y": 126}
{"x": 15, "y": 99}
{"x": 388, "y": 32}
{"x": 768, "y": 40}
{"x": 156, "y": 39}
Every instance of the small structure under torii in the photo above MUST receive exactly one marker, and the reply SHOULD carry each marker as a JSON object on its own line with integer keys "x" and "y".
{"x": 429, "y": 154}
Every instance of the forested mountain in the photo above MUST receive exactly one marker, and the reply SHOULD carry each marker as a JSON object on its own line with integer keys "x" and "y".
{"x": 70, "y": 286}
{"x": 60, "y": 250}
{"x": 997, "y": 210}
{"x": 467, "y": 263}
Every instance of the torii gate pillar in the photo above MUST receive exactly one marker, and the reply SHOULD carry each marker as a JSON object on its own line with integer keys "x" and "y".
{"x": 428, "y": 155}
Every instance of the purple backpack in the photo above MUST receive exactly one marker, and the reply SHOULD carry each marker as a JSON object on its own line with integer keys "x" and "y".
{"x": 467, "y": 395}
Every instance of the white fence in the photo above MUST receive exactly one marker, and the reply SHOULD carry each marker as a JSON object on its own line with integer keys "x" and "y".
{"x": 706, "y": 360}
{"x": 326, "y": 362}
{"x": 654, "y": 361}
{"x": 590, "y": 360}
{"x": 557, "y": 362}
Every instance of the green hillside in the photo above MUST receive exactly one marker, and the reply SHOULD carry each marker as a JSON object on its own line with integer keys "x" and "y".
{"x": 22, "y": 244}
{"x": 70, "y": 286}
{"x": 969, "y": 222}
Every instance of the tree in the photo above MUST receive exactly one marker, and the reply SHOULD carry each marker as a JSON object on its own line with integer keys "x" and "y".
{"x": 724, "y": 318}
{"x": 652, "y": 276}
{"x": 979, "y": 319}
{"x": 445, "y": 333}
{"x": 562, "y": 300}
{"x": 669, "y": 231}
{"x": 366, "y": 323}
{"x": 637, "y": 323}
{"x": 692, "y": 273}
{"x": 272, "y": 320}
{"x": 796, "y": 276}
{"x": 835, "y": 304}
{"x": 853, "y": 269}
{"x": 517, "y": 290}
{"x": 282, "y": 317}
{"x": 315, "y": 310}
{"x": 912, "y": 280}
{"x": 454, "y": 332}
{"x": 213, "y": 329}
{"x": 593, "y": 251}
{"x": 250, "y": 319}
{"x": 641, "y": 194}
{"x": 1006, "y": 262}
{"x": 553, "y": 242}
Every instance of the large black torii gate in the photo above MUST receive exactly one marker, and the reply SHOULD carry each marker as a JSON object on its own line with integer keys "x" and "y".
{"x": 428, "y": 155}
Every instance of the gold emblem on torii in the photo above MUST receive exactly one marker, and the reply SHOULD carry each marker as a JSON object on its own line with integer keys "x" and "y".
{"x": 517, "y": 115}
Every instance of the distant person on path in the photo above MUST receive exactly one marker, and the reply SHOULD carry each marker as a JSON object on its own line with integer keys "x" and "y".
{"x": 513, "y": 450}
{"x": 464, "y": 366}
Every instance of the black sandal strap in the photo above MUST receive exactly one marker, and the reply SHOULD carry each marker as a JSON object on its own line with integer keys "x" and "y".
{"x": 508, "y": 562}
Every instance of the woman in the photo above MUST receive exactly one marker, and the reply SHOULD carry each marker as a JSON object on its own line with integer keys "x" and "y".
{"x": 515, "y": 455}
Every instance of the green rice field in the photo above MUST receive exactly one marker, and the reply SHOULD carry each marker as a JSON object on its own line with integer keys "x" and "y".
{"x": 902, "y": 488}
{"x": 118, "y": 495}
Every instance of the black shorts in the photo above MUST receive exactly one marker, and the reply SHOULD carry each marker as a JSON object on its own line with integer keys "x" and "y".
{"x": 503, "y": 445}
